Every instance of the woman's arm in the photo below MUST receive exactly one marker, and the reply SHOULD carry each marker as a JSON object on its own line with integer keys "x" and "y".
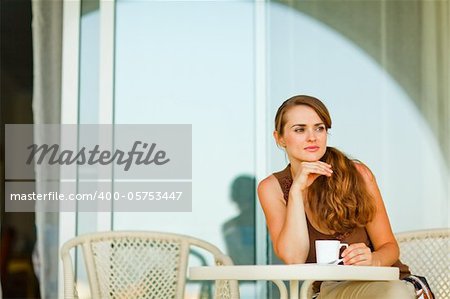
{"x": 287, "y": 223}
{"x": 386, "y": 251}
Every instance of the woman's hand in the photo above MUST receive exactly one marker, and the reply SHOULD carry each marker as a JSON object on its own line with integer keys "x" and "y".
{"x": 309, "y": 171}
{"x": 358, "y": 254}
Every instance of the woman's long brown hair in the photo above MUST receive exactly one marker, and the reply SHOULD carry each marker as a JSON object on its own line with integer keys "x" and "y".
{"x": 340, "y": 202}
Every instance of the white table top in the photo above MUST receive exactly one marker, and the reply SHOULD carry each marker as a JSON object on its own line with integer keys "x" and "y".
{"x": 294, "y": 272}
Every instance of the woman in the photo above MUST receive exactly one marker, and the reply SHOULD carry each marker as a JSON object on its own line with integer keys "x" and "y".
{"x": 322, "y": 194}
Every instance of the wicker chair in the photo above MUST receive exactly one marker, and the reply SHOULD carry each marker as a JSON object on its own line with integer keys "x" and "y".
{"x": 135, "y": 264}
{"x": 427, "y": 253}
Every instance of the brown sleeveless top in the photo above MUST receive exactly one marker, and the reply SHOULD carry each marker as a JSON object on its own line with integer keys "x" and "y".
{"x": 358, "y": 235}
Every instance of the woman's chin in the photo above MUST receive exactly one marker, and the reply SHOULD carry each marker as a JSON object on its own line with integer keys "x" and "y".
{"x": 311, "y": 157}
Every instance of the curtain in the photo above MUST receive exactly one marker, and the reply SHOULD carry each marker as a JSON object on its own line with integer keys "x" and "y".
{"x": 47, "y": 53}
{"x": 435, "y": 70}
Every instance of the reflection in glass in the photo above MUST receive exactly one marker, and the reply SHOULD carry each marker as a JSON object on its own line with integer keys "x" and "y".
{"x": 239, "y": 231}
{"x": 191, "y": 62}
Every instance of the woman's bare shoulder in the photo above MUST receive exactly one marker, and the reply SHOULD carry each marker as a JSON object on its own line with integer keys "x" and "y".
{"x": 269, "y": 188}
{"x": 365, "y": 171}
{"x": 269, "y": 182}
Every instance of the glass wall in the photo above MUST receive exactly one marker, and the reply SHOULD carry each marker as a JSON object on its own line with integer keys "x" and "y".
{"x": 194, "y": 62}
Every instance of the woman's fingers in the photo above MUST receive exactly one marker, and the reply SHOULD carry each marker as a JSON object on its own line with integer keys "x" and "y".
{"x": 309, "y": 171}
{"x": 324, "y": 164}
{"x": 361, "y": 259}
{"x": 317, "y": 167}
{"x": 357, "y": 254}
{"x": 353, "y": 247}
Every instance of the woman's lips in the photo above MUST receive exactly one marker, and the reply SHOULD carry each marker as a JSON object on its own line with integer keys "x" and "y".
{"x": 312, "y": 148}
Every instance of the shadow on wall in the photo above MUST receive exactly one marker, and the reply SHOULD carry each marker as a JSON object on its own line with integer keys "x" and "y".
{"x": 239, "y": 232}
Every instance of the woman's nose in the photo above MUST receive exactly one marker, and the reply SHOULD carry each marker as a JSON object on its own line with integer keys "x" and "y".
{"x": 312, "y": 135}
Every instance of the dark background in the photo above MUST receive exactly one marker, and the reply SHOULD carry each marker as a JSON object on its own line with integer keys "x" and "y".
{"x": 18, "y": 235}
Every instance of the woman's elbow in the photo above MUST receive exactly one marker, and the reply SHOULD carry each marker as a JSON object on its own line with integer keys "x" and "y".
{"x": 294, "y": 257}
{"x": 396, "y": 250}
{"x": 293, "y": 260}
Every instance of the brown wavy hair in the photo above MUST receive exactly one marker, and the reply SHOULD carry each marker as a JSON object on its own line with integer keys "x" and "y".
{"x": 340, "y": 202}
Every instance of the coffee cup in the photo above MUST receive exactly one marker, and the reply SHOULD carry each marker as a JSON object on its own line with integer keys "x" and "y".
{"x": 327, "y": 251}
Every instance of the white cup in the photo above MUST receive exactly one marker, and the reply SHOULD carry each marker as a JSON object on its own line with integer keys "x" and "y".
{"x": 327, "y": 251}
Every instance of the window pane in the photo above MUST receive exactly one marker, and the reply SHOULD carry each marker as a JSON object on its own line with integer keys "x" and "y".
{"x": 192, "y": 63}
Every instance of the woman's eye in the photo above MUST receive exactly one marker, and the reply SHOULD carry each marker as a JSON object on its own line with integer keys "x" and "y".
{"x": 320, "y": 129}
{"x": 300, "y": 130}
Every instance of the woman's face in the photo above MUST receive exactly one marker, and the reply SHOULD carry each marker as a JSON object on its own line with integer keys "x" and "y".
{"x": 304, "y": 135}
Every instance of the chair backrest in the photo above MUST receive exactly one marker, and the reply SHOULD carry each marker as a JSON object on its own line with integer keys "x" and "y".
{"x": 138, "y": 264}
{"x": 427, "y": 253}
